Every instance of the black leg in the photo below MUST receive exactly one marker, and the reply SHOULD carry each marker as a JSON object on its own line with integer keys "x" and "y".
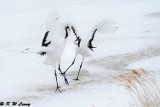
{"x": 59, "y": 68}
{"x": 79, "y": 71}
{"x": 65, "y": 79}
{"x": 69, "y": 66}
{"x": 57, "y": 82}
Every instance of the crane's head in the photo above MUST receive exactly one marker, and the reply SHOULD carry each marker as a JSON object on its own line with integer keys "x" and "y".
{"x": 68, "y": 27}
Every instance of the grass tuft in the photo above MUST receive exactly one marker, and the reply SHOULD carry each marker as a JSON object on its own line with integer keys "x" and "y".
{"x": 144, "y": 86}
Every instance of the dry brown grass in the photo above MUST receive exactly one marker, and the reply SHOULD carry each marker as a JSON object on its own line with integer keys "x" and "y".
{"x": 143, "y": 86}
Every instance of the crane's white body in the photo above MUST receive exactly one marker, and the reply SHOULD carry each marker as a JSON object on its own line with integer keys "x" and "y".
{"x": 83, "y": 50}
{"x": 54, "y": 55}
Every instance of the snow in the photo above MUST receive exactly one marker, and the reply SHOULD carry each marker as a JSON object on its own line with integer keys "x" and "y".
{"x": 134, "y": 45}
{"x": 151, "y": 64}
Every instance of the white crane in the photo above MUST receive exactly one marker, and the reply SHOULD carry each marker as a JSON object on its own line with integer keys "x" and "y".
{"x": 85, "y": 45}
{"x": 53, "y": 43}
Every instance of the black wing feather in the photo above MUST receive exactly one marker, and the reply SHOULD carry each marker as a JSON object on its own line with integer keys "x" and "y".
{"x": 44, "y": 43}
{"x": 90, "y": 41}
{"x": 44, "y": 40}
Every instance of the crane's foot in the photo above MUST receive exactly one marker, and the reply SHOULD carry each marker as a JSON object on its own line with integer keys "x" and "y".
{"x": 65, "y": 79}
{"x": 76, "y": 79}
{"x": 58, "y": 88}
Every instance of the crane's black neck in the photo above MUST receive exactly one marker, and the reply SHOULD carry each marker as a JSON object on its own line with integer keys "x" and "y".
{"x": 66, "y": 30}
{"x": 79, "y": 42}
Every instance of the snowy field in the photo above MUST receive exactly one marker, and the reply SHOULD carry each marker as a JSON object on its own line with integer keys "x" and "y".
{"x": 24, "y": 78}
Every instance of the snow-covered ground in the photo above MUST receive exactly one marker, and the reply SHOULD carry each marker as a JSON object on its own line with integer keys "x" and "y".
{"x": 25, "y": 78}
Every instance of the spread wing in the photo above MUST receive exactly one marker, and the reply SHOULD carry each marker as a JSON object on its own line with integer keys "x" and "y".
{"x": 45, "y": 43}
{"x": 103, "y": 27}
{"x": 52, "y": 20}
{"x": 37, "y": 50}
{"x": 106, "y": 26}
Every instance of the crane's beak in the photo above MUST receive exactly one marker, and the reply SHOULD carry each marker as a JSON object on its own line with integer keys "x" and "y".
{"x": 76, "y": 39}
